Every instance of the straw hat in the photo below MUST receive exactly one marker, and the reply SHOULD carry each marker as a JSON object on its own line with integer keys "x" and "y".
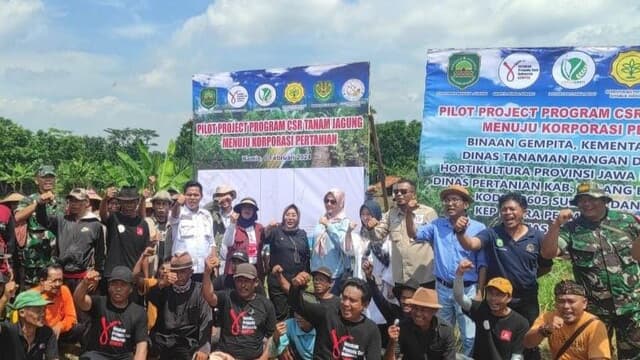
{"x": 13, "y": 197}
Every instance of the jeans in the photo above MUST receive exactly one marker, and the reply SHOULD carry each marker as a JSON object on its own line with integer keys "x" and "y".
{"x": 452, "y": 313}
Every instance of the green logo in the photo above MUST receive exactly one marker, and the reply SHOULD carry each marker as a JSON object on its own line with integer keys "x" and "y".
{"x": 323, "y": 90}
{"x": 208, "y": 97}
{"x": 573, "y": 69}
{"x": 464, "y": 70}
{"x": 499, "y": 242}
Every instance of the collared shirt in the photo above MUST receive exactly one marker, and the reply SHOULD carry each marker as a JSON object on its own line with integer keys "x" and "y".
{"x": 14, "y": 345}
{"x": 517, "y": 261}
{"x": 408, "y": 257}
{"x": 447, "y": 250}
{"x": 193, "y": 232}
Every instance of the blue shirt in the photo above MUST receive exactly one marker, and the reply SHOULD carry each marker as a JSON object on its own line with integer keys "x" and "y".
{"x": 301, "y": 340}
{"x": 447, "y": 250}
{"x": 334, "y": 256}
{"x": 515, "y": 260}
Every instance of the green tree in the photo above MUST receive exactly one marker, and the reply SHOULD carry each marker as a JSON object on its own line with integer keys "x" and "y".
{"x": 399, "y": 143}
{"x": 184, "y": 143}
{"x": 16, "y": 176}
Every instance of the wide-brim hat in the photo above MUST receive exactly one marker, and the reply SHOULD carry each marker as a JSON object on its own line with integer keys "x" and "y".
{"x": 589, "y": 189}
{"x": 246, "y": 201}
{"x": 426, "y": 298}
{"x": 13, "y": 197}
{"x": 179, "y": 263}
{"x": 411, "y": 284}
{"x": 128, "y": 193}
{"x": 457, "y": 190}
{"x": 93, "y": 195}
{"x": 224, "y": 190}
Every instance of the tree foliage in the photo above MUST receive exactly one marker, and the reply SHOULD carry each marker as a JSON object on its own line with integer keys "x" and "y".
{"x": 399, "y": 142}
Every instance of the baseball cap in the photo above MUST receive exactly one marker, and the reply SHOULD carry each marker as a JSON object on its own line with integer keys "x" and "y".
{"x": 240, "y": 256}
{"x": 45, "y": 170}
{"x": 121, "y": 273}
{"x": 324, "y": 271}
{"x": 502, "y": 284}
{"x": 589, "y": 188}
{"x": 29, "y": 298}
{"x": 246, "y": 270}
{"x": 161, "y": 195}
{"x": 78, "y": 194}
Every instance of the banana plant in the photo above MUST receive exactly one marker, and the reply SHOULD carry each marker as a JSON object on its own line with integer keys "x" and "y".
{"x": 15, "y": 175}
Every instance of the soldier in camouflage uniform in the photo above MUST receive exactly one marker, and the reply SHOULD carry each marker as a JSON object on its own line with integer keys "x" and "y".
{"x": 599, "y": 243}
{"x": 36, "y": 253}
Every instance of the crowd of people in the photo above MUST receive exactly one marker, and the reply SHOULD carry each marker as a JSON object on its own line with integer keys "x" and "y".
{"x": 141, "y": 275}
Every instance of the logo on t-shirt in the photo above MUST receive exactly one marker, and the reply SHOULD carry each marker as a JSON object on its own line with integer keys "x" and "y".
{"x": 505, "y": 335}
{"x": 139, "y": 231}
{"x": 499, "y": 242}
{"x": 342, "y": 348}
{"x": 112, "y": 333}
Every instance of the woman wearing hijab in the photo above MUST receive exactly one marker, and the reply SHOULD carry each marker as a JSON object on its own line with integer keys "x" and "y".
{"x": 329, "y": 247}
{"x": 245, "y": 234}
{"x": 289, "y": 249}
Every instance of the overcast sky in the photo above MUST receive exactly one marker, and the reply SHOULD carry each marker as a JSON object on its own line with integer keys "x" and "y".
{"x": 86, "y": 65}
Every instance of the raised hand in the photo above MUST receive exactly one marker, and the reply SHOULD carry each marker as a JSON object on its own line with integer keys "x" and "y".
{"x": 301, "y": 279}
{"x": 367, "y": 268}
{"x": 464, "y": 266}
{"x": 564, "y": 216}
{"x": 111, "y": 193}
{"x": 461, "y": 224}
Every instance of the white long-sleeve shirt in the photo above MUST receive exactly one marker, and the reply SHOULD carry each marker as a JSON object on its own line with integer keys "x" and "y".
{"x": 193, "y": 233}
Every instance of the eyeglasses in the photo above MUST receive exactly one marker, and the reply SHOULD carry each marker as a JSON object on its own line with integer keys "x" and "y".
{"x": 401, "y": 191}
{"x": 330, "y": 201}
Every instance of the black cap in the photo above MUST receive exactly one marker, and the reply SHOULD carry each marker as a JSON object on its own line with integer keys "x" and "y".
{"x": 240, "y": 256}
{"x": 121, "y": 273}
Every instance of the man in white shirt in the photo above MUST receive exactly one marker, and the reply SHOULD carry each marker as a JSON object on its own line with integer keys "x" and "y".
{"x": 192, "y": 228}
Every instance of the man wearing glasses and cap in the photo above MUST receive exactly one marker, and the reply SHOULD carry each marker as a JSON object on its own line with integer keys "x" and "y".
{"x": 604, "y": 251}
{"x": 36, "y": 253}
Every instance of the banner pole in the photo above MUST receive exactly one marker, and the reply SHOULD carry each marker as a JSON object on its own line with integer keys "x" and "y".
{"x": 381, "y": 175}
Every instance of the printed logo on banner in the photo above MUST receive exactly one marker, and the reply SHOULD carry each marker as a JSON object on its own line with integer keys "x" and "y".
{"x": 625, "y": 68}
{"x": 323, "y": 90}
{"x": 353, "y": 89}
{"x": 519, "y": 70}
{"x": 464, "y": 70}
{"x": 237, "y": 96}
{"x": 573, "y": 70}
{"x": 208, "y": 97}
{"x": 265, "y": 94}
{"x": 294, "y": 92}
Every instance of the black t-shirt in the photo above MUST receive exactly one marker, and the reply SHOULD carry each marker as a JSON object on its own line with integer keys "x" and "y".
{"x": 497, "y": 337}
{"x": 436, "y": 343}
{"x": 289, "y": 249}
{"x": 13, "y": 346}
{"x": 245, "y": 324}
{"x": 115, "y": 332}
{"x": 127, "y": 238}
{"x": 335, "y": 336}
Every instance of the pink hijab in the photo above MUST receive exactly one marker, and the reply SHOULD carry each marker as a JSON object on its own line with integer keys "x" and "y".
{"x": 339, "y": 212}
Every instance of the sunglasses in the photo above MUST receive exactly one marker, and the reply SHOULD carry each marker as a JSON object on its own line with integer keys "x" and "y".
{"x": 330, "y": 201}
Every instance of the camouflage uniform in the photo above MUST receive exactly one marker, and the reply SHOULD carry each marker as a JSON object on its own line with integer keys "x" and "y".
{"x": 602, "y": 263}
{"x": 38, "y": 250}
